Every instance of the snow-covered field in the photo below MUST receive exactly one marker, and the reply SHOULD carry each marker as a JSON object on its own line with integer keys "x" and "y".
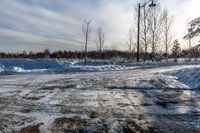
{"x": 94, "y": 99}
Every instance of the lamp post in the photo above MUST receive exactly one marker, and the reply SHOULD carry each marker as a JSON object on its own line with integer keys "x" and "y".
{"x": 138, "y": 36}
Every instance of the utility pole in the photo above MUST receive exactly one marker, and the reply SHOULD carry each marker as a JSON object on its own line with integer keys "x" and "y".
{"x": 138, "y": 36}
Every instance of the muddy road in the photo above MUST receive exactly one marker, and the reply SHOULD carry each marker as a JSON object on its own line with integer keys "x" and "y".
{"x": 103, "y": 102}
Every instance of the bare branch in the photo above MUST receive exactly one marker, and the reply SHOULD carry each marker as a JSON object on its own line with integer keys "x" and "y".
{"x": 167, "y": 25}
{"x": 100, "y": 39}
{"x": 87, "y": 32}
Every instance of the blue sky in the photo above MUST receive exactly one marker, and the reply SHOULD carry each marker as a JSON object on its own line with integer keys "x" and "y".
{"x": 56, "y": 24}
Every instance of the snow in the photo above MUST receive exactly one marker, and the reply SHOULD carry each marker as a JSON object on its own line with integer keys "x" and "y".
{"x": 9, "y": 66}
{"x": 1, "y": 70}
{"x": 58, "y": 66}
{"x": 130, "y": 99}
{"x": 69, "y": 95}
{"x": 189, "y": 76}
{"x": 18, "y": 69}
{"x": 163, "y": 81}
{"x": 179, "y": 76}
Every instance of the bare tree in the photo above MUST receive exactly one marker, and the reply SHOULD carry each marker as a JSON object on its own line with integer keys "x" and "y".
{"x": 188, "y": 37}
{"x": 167, "y": 25}
{"x": 176, "y": 50}
{"x": 114, "y": 46}
{"x": 100, "y": 39}
{"x": 145, "y": 40}
{"x": 144, "y": 29}
{"x": 130, "y": 42}
{"x": 87, "y": 32}
{"x": 155, "y": 23}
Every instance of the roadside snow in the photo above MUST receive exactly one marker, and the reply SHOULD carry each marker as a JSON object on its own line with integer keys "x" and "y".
{"x": 9, "y": 66}
{"x": 163, "y": 81}
{"x": 1, "y": 70}
{"x": 21, "y": 70}
{"x": 153, "y": 81}
{"x": 18, "y": 69}
{"x": 189, "y": 76}
{"x": 179, "y": 76}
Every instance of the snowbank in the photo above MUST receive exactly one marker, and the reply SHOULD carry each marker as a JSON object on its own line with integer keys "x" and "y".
{"x": 32, "y": 66}
{"x": 152, "y": 81}
{"x": 62, "y": 66}
{"x": 189, "y": 76}
{"x": 1, "y": 69}
{"x": 58, "y": 66}
{"x": 165, "y": 81}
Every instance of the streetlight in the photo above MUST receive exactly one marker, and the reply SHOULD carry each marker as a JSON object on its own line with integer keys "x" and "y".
{"x": 138, "y": 37}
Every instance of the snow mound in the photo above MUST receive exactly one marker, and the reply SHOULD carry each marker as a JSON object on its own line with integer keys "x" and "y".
{"x": 9, "y": 66}
{"x": 18, "y": 69}
{"x": 58, "y": 66}
{"x": 164, "y": 81}
{"x": 159, "y": 81}
{"x": 153, "y": 81}
{"x": 1, "y": 70}
{"x": 189, "y": 76}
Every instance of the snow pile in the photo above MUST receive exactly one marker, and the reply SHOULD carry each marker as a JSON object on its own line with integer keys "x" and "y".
{"x": 181, "y": 77}
{"x": 152, "y": 81}
{"x": 57, "y": 66}
{"x": 18, "y": 69}
{"x": 189, "y": 76}
{"x": 21, "y": 70}
{"x": 164, "y": 81}
{"x": 101, "y": 68}
{"x": 9, "y": 66}
{"x": 1, "y": 69}
{"x": 32, "y": 66}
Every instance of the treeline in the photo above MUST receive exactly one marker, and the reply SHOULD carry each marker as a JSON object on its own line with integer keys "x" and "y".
{"x": 106, "y": 54}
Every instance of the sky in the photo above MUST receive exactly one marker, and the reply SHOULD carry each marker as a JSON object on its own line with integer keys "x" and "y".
{"x": 35, "y": 25}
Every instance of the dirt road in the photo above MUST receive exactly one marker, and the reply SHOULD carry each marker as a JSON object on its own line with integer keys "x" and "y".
{"x": 95, "y": 102}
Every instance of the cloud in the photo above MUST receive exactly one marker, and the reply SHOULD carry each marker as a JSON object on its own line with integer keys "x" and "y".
{"x": 56, "y": 24}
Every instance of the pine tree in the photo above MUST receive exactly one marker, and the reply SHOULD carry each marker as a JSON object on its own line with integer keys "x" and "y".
{"x": 193, "y": 29}
{"x": 176, "y": 50}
